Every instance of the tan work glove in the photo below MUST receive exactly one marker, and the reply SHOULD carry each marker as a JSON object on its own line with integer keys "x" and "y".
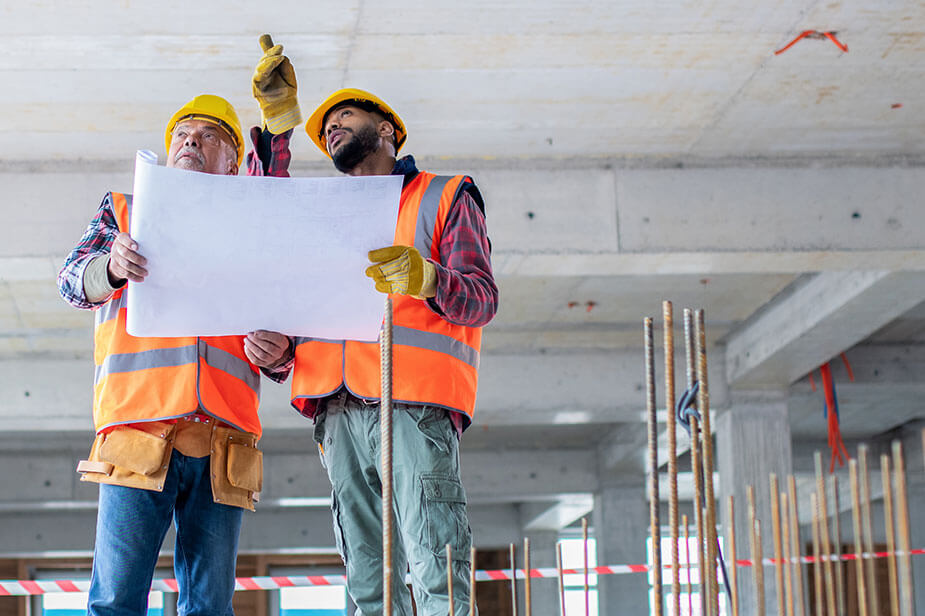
{"x": 402, "y": 269}
{"x": 274, "y": 86}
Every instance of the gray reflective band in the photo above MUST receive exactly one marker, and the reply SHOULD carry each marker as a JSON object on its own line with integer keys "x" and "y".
{"x": 179, "y": 356}
{"x": 128, "y": 203}
{"x": 436, "y": 342}
{"x": 297, "y": 340}
{"x": 232, "y": 364}
{"x": 143, "y": 360}
{"x": 427, "y": 214}
{"x": 110, "y": 310}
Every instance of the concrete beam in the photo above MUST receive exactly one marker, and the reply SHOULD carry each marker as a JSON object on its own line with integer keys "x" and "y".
{"x": 634, "y": 220}
{"x": 559, "y": 515}
{"x": 514, "y": 389}
{"x": 814, "y": 321}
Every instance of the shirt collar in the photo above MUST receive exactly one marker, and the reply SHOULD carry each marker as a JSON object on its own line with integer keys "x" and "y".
{"x": 405, "y": 166}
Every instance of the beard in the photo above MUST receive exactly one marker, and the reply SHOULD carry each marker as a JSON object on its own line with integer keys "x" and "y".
{"x": 364, "y": 142}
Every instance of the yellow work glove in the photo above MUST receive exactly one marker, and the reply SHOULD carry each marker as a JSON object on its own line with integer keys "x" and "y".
{"x": 274, "y": 86}
{"x": 402, "y": 269}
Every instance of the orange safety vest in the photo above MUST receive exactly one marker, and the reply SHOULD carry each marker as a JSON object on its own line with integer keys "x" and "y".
{"x": 434, "y": 362}
{"x": 152, "y": 379}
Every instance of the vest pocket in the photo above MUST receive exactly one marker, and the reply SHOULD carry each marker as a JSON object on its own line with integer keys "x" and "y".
{"x": 134, "y": 450}
{"x": 245, "y": 467}
{"x": 445, "y": 516}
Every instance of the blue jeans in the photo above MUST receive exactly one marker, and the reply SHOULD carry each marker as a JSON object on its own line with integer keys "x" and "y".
{"x": 130, "y": 529}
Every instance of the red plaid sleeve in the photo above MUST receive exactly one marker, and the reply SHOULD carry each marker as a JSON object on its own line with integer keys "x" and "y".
{"x": 279, "y": 155}
{"x": 96, "y": 241}
{"x": 466, "y": 290}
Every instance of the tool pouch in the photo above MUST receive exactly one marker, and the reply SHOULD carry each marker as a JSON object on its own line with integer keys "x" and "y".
{"x": 237, "y": 468}
{"x": 130, "y": 457}
{"x": 134, "y": 450}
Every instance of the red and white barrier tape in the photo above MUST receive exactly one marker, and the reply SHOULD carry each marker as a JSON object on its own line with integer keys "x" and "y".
{"x": 41, "y": 587}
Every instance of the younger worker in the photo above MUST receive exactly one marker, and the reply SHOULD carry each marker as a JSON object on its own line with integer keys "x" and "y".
{"x": 176, "y": 418}
{"x": 440, "y": 279}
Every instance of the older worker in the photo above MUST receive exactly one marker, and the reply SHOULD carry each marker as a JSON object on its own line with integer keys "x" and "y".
{"x": 176, "y": 418}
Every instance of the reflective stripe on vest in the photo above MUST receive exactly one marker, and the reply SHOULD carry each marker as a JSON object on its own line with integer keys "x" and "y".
{"x": 110, "y": 310}
{"x": 427, "y": 215}
{"x": 436, "y": 342}
{"x": 431, "y": 341}
{"x": 179, "y": 356}
{"x": 144, "y": 379}
{"x": 144, "y": 360}
{"x": 435, "y": 362}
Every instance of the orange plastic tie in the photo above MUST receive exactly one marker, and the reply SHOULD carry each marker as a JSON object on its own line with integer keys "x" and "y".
{"x": 839, "y": 44}
{"x": 801, "y": 36}
{"x": 812, "y": 34}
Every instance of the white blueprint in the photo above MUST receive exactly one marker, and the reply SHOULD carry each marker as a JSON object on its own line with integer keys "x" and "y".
{"x": 231, "y": 254}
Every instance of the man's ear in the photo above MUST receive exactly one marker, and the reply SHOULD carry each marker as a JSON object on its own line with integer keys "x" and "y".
{"x": 232, "y": 160}
{"x": 386, "y": 129}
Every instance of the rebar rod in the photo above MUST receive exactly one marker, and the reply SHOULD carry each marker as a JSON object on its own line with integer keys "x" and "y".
{"x": 858, "y": 548}
{"x": 890, "y": 533}
{"x": 527, "y": 607}
{"x": 826, "y": 545}
{"x": 902, "y": 526}
{"x": 472, "y": 603}
{"x": 668, "y": 338}
{"x": 652, "y": 466}
{"x": 584, "y": 539}
{"x": 513, "y": 582}
{"x": 703, "y": 407}
{"x": 817, "y": 561}
{"x": 696, "y": 465}
{"x": 788, "y": 554}
{"x": 385, "y": 444}
{"x": 687, "y": 559}
{"x": 733, "y": 565}
{"x": 796, "y": 547}
{"x": 758, "y": 565}
{"x": 561, "y": 582}
{"x": 449, "y": 578}
{"x": 867, "y": 531}
{"x": 778, "y": 548}
{"x": 839, "y": 564}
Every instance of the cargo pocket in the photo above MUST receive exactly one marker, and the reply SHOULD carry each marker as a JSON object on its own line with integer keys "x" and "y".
{"x": 245, "y": 467}
{"x": 445, "y": 516}
{"x": 338, "y": 529}
{"x": 436, "y": 427}
{"x": 134, "y": 450}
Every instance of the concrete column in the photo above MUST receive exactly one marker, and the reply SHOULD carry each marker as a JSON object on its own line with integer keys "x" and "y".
{"x": 752, "y": 441}
{"x": 621, "y": 525}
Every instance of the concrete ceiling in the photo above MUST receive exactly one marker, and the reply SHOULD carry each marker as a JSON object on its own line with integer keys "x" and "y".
{"x": 629, "y": 152}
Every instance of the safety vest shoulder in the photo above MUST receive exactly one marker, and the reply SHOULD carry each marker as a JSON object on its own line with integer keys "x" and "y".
{"x": 146, "y": 379}
{"x": 434, "y": 362}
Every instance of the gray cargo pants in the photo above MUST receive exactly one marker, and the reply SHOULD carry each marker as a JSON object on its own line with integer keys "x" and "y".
{"x": 429, "y": 500}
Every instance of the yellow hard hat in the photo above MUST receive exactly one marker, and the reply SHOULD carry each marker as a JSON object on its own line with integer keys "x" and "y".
{"x": 212, "y": 109}
{"x": 315, "y": 125}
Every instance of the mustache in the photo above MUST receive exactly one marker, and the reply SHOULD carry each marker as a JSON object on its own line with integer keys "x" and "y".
{"x": 183, "y": 151}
